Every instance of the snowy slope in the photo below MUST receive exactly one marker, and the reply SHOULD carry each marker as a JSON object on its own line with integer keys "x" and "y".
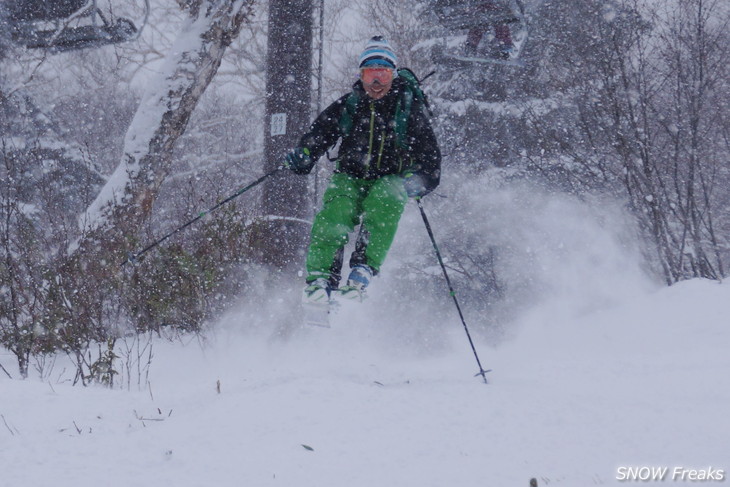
{"x": 641, "y": 383}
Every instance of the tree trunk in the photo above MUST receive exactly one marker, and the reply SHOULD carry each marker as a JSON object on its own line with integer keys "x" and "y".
{"x": 288, "y": 113}
{"x": 88, "y": 283}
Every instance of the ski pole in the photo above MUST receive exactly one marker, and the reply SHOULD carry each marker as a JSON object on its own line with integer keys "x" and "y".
{"x": 481, "y": 372}
{"x": 132, "y": 257}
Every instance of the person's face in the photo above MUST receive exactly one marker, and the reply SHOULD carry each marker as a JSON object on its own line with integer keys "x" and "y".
{"x": 377, "y": 81}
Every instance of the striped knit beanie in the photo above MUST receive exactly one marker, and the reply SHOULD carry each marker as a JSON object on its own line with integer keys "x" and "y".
{"x": 378, "y": 53}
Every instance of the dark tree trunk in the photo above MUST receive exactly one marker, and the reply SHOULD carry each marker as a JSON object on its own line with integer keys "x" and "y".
{"x": 288, "y": 113}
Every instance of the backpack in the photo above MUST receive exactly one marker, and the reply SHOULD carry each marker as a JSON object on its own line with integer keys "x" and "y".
{"x": 412, "y": 93}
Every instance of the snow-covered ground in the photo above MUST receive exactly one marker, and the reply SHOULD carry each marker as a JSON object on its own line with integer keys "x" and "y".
{"x": 595, "y": 370}
{"x": 640, "y": 383}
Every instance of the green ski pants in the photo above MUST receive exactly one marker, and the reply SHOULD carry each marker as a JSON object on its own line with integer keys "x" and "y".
{"x": 377, "y": 204}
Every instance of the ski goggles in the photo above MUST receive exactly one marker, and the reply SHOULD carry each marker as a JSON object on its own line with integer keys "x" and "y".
{"x": 382, "y": 75}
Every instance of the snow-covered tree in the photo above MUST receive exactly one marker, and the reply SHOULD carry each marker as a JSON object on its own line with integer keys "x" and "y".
{"x": 164, "y": 112}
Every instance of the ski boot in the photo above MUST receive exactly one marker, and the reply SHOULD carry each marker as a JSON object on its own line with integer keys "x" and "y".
{"x": 504, "y": 51}
{"x": 358, "y": 280}
{"x": 317, "y": 292}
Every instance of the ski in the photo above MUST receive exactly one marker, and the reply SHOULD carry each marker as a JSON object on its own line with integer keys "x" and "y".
{"x": 317, "y": 314}
{"x": 463, "y": 61}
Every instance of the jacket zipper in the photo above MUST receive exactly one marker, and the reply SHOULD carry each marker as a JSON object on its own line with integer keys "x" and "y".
{"x": 382, "y": 145}
{"x": 372, "y": 135}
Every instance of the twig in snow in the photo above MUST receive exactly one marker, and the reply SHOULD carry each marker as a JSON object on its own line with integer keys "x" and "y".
{"x": 8, "y": 426}
{"x": 6, "y": 372}
{"x": 140, "y": 418}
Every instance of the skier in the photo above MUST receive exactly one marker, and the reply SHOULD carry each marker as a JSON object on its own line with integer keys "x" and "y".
{"x": 388, "y": 152}
{"x": 502, "y": 14}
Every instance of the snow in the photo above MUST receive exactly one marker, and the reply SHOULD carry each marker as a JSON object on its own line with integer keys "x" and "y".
{"x": 601, "y": 372}
{"x": 642, "y": 382}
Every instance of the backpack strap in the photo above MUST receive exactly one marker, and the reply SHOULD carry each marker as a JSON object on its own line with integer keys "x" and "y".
{"x": 412, "y": 93}
{"x": 348, "y": 114}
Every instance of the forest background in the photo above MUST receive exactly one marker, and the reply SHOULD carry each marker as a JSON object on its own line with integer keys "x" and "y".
{"x": 621, "y": 113}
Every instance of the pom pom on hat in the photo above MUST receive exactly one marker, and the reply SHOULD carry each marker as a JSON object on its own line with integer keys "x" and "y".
{"x": 378, "y": 52}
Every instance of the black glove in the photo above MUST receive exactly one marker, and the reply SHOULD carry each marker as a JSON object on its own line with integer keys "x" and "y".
{"x": 299, "y": 161}
{"x": 414, "y": 185}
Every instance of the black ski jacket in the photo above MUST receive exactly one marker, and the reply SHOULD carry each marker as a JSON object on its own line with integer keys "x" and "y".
{"x": 369, "y": 150}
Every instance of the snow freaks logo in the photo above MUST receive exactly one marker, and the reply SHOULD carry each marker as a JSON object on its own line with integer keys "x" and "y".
{"x": 676, "y": 474}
